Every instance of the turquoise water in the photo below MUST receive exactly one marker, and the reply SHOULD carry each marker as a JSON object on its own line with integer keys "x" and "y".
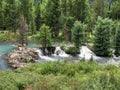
{"x": 4, "y": 49}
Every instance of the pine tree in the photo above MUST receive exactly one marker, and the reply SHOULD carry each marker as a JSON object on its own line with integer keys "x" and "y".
{"x": 52, "y": 16}
{"x": 23, "y": 32}
{"x": 117, "y": 41}
{"x": 45, "y": 36}
{"x": 100, "y": 7}
{"x": 66, "y": 19}
{"x": 38, "y": 17}
{"x": 80, "y": 9}
{"x": 11, "y": 16}
{"x": 1, "y": 14}
{"x": 26, "y": 18}
{"x": 102, "y": 37}
{"x": 26, "y": 9}
{"x": 115, "y": 10}
{"x": 78, "y": 34}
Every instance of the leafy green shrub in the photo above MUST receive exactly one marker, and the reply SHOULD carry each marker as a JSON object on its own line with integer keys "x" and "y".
{"x": 51, "y": 68}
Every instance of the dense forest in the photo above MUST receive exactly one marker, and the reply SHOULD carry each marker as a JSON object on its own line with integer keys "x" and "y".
{"x": 82, "y": 37}
{"x": 76, "y": 21}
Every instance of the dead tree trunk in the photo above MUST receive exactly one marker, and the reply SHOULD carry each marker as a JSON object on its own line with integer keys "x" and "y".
{"x": 23, "y": 32}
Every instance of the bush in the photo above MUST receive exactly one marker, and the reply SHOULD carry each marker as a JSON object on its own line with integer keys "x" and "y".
{"x": 51, "y": 68}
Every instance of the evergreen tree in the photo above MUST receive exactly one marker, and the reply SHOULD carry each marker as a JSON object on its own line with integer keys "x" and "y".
{"x": 80, "y": 9}
{"x": 115, "y": 10}
{"x": 38, "y": 17}
{"x": 26, "y": 9}
{"x": 117, "y": 41}
{"x": 78, "y": 34}
{"x": 102, "y": 37}
{"x": 1, "y": 14}
{"x": 23, "y": 32}
{"x": 100, "y": 7}
{"x": 66, "y": 19}
{"x": 26, "y": 18}
{"x": 11, "y": 15}
{"x": 45, "y": 36}
{"x": 52, "y": 16}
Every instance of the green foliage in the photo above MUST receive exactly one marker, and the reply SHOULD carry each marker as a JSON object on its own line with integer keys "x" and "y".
{"x": 102, "y": 43}
{"x": 45, "y": 35}
{"x": 117, "y": 44}
{"x": 81, "y": 9}
{"x": 52, "y": 15}
{"x": 115, "y": 10}
{"x": 78, "y": 33}
{"x": 62, "y": 76}
{"x": 100, "y": 7}
{"x": 72, "y": 51}
{"x": 38, "y": 17}
{"x": 3, "y": 37}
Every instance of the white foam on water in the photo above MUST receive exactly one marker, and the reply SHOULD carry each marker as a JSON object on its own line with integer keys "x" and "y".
{"x": 60, "y": 52}
{"x": 86, "y": 53}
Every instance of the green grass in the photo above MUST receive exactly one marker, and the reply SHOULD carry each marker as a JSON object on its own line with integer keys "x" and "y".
{"x": 62, "y": 76}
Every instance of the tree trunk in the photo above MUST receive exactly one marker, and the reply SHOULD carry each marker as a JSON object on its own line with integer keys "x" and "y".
{"x": 9, "y": 36}
{"x": 65, "y": 33}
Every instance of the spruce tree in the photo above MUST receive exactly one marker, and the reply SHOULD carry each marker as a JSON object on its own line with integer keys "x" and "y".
{"x": 38, "y": 17}
{"x": 10, "y": 14}
{"x": 80, "y": 9}
{"x": 52, "y": 16}
{"x": 102, "y": 37}
{"x": 26, "y": 18}
{"x": 117, "y": 41}
{"x": 1, "y": 14}
{"x": 45, "y": 36}
{"x": 78, "y": 34}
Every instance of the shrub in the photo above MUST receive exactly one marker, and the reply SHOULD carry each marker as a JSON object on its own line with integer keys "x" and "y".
{"x": 51, "y": 68}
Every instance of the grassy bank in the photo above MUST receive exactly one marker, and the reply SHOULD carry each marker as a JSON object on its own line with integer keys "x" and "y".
{"x": 62, "y": 76}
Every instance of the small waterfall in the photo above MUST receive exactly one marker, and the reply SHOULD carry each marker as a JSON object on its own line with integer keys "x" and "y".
{"x": 60, "y": 52}
{"x": 86, "y": 53}
{"x": 44, "y": 58}
{"x": 58, "y": 55}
